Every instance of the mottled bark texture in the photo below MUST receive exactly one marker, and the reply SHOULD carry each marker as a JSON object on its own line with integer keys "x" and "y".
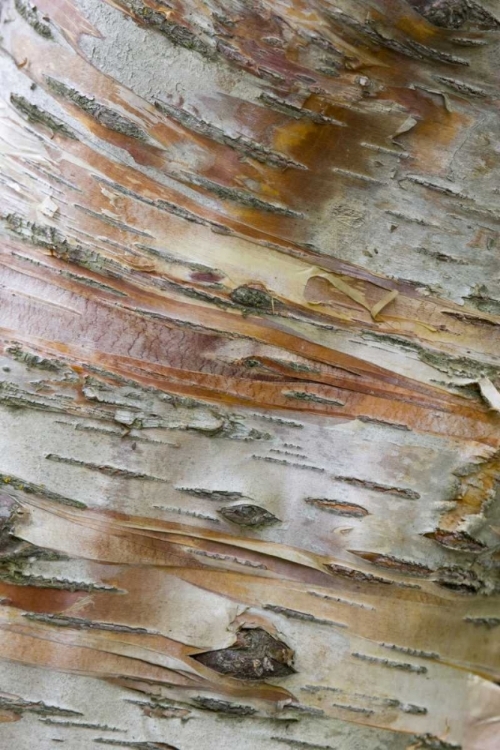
{"x": 250, "y": 314}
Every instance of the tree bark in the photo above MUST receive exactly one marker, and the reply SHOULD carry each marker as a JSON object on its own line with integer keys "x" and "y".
{"x": 250, "y": 421}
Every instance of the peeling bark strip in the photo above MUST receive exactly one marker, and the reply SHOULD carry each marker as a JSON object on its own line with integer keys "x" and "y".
{"x": 249, "y": 374}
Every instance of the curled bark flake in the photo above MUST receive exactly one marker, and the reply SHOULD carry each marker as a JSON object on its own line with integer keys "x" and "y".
{"x": 490, "y": 394}
{"x": 335, "y": 281}
{"x": 382, "y": 304}
{"x": 256, "y": 655}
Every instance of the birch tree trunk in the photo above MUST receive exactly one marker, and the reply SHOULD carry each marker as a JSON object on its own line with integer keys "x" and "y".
{"x": 249, "y": 318}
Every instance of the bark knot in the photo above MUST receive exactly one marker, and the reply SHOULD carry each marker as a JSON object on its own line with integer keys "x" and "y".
{"x": 256, "y": 655}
